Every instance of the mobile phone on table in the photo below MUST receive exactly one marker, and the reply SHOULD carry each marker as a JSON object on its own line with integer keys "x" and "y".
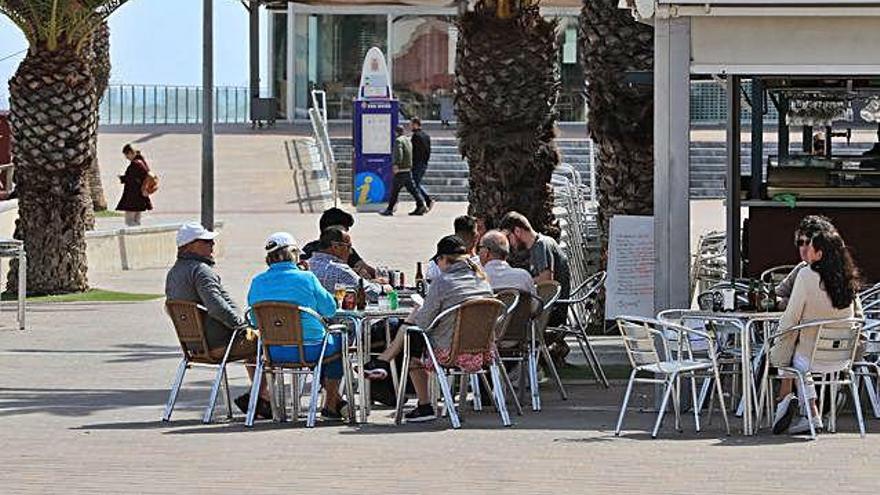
{"x": 417, "y": 300}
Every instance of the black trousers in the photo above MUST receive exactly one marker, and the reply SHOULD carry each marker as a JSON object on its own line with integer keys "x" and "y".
{"x": 401, "y": 180}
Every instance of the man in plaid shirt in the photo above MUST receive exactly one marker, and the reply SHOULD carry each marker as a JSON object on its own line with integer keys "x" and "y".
{"x": 330, "y": 267}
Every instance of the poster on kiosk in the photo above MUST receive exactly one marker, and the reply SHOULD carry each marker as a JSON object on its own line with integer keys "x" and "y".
{"x": 375, "y": 118}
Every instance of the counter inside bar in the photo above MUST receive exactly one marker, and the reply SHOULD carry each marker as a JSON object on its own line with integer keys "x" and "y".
{"x": 769, "y": 233}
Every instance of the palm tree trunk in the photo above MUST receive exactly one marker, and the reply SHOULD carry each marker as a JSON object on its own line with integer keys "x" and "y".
{"x": 621, "y": 116}
{"x": 100, "y": 63}
{"x": 54, "y": 125}
{"x": 506, "y": 86}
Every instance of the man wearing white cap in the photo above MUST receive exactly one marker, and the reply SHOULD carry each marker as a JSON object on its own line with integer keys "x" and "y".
{"x": 285, "y": 282}
{"x": 192, "y": 278}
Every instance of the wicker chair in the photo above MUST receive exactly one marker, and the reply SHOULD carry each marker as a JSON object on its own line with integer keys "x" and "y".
{"x": 477, "y": 322}
{"x": 517, "y": 320}
{"x": 514, "y": 342}
{"x": 189, "y": 324}
{"x": 280, "y": 324}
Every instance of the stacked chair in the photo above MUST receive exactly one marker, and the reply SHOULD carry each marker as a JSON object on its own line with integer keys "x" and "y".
{"x": 575, "y": 209}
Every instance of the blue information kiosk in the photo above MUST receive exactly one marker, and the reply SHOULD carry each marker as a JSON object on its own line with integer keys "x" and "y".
{"x": 375, "y": 118}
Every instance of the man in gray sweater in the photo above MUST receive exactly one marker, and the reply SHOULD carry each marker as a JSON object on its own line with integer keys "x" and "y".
{"x": 192, "y": 278}
{"x": 402, "y": 163}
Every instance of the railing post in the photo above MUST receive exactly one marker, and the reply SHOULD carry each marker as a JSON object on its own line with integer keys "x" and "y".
{"x": 133, "y": 106}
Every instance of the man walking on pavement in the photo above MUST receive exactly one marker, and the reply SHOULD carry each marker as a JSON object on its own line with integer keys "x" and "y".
{"x": 421, "y": 145}
{"x": 402, "y": 163}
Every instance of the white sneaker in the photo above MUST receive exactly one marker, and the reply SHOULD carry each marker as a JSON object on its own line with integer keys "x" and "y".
{"x": 802, "y": 425}
{"x": 784, "y": 412}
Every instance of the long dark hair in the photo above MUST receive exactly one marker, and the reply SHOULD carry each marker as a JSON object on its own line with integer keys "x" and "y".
{"x": 838, "y": 272}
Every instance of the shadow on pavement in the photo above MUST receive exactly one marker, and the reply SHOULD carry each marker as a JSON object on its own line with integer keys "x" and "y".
{"x": 120, "y": 353}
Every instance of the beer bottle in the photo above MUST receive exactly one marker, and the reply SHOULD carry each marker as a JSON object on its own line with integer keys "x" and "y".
{"x": 361, "y": 296}
{"x": 421, "y": 287}
{"x": 772, "y": 303}
{"x": 753, "y": 296}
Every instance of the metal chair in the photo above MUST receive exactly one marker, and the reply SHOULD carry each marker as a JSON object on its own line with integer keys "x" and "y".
{"x": 639, "y": 339}
{"x": 776, "y": 274}
{"x": 280, "y": 325}
{"x": 581, "y": 304}
{"x": 517, "y": 316}
{"x": 476, "y": 323}
{"x": 832, "y": 356}
{"x": 189, "y": 324}
{"x": 515, "y": 344}
{"x": 867, "y": 369}
{"x": 870, "y": 294}
{"x": 548, "y": 293}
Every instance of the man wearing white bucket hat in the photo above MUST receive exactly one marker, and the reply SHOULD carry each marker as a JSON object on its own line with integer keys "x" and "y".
{"x": 192, "y": 278}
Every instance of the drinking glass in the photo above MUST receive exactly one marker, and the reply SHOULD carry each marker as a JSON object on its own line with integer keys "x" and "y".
{"x": 339, "y": 294}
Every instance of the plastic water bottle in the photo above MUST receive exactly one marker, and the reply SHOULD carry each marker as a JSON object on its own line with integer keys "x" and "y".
{"x": 393, "y": 302}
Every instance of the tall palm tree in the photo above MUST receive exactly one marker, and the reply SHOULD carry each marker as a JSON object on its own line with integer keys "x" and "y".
{"x": 621, "y": 115}
{"x": 54, "y": 103}
{"x": 506, "y": 86}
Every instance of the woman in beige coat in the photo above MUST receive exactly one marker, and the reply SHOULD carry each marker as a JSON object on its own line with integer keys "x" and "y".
{"x": 826, "y": 289}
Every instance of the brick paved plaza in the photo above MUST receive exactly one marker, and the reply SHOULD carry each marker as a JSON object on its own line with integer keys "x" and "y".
{"x": 82, "y": 390}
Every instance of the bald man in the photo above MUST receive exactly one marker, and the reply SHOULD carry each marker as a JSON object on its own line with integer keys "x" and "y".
{"x": 493, "y": 250}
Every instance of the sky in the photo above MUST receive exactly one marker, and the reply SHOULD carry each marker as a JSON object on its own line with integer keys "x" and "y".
{"x": 159, "y": 42}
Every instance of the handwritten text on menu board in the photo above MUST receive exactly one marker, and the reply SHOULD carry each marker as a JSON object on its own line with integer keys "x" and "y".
{"x": 630, "y": 283}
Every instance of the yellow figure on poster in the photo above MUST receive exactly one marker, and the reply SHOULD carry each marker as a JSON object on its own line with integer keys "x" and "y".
{"x": 364, "y": 190}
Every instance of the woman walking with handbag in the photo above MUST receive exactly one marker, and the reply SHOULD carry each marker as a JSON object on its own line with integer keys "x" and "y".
{"x": 139, "y": 183}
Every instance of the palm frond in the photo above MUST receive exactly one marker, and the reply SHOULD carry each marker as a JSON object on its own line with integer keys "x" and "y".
{"x": 49, "y": 23}
{"x": 8, "y": 9}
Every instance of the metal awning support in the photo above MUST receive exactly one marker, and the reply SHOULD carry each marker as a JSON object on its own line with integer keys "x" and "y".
{"x": 733, "y": 176}
{"x": 208, "y": 114}
{"x": 254, "y": 47}
{"x": 757, "y": 138}
{"x": 672, "y": 42}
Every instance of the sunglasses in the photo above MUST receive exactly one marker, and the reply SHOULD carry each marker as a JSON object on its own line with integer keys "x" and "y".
{"x": 802, "y": 242}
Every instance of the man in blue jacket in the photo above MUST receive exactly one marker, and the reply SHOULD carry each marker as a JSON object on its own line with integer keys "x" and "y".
{"x": 285, "y": 282}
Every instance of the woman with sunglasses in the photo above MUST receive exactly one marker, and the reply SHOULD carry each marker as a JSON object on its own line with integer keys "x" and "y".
{"x": 806, "y": 229}
{"x": 825, "y": 287}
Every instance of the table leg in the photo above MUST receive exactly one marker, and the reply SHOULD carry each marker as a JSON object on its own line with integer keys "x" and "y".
{"x": 747, "y": 385}
{"x": 366, "y": 325}
{"x": 22, "y": 287}
{"x": 361, "y": 358}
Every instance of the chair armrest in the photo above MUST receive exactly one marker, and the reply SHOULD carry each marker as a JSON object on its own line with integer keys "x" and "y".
{"x": 414, "y": 329}
{"x": 337, "y": 328}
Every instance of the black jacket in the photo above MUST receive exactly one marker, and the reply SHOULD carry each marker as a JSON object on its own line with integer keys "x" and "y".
{"x": 421, "y": 144}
